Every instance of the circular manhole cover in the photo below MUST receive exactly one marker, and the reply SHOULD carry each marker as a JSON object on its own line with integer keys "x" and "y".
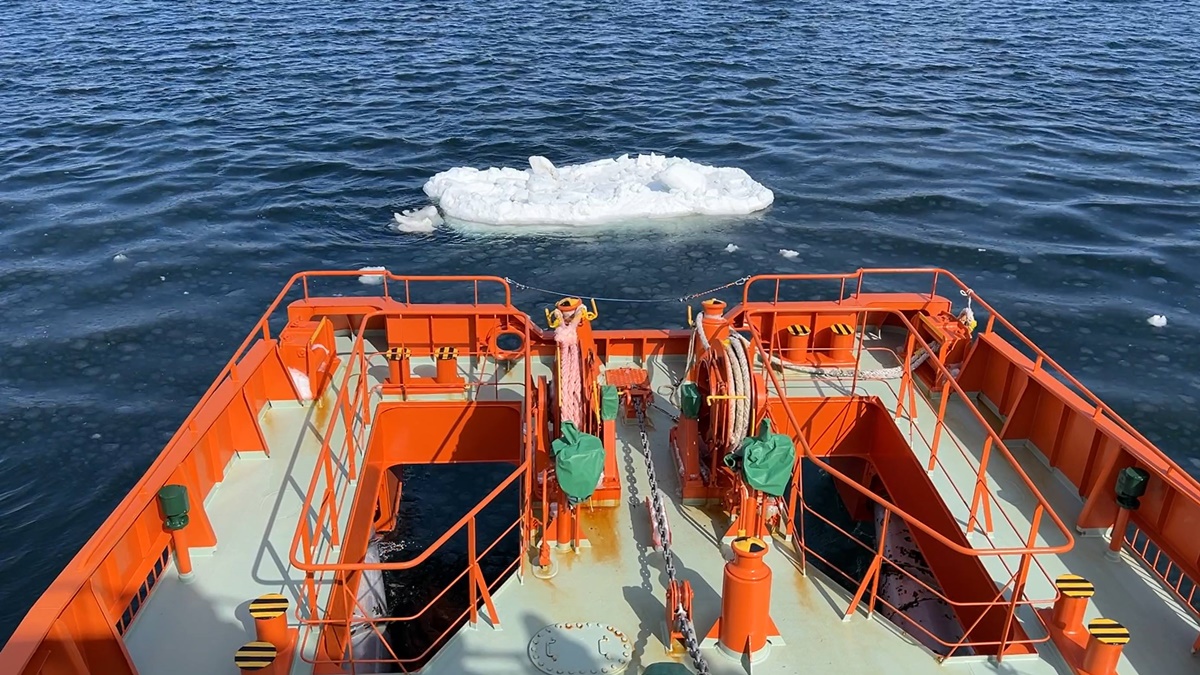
{"x": 582, "y": 648}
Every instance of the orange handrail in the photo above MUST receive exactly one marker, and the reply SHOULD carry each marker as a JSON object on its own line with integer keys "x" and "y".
{"x": 808, "y": 452}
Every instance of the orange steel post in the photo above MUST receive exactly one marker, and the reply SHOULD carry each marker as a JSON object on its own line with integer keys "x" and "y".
{"x": 745, "y": 623}
{"x": 872, "y": 576}
{"x": 841, "y": 342}
{"x": 937, "y": 428}
{"x": 795, "y": 342}
{"x": 1072, "y": 602}
{"x": 474, "y": 611}
{"x": 1106, "y": 639}
{"x": 1021, "y": 577}
{"x": 1118, "y": 532}
{"x": 270, "y": 619}
{"x": 447, "y": 366}
{"x": 905, "y": 377}
{"x": 183, "y": 557}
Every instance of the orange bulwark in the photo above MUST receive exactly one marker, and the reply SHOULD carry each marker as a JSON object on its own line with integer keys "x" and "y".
{"x": 951, "y": 489}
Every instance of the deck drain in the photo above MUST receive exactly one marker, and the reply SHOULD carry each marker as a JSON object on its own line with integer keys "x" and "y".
{"x": 583, "y": 648}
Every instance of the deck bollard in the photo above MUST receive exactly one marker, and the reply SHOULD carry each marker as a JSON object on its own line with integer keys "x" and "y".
{"x": 270, "y": 619}
{"x": 1106, "y": 639}
{"x": 1073, "y": 594}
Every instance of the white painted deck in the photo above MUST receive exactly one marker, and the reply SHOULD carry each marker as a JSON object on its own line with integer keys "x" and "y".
{"x": 195, "y": 627}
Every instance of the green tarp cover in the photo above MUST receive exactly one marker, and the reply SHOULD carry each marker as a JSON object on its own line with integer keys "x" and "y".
{"x": 578, "y": 461}
{"x": 610, "y": 402}
{"x": 689, "y": 400}
{"x": 767, "y": 460}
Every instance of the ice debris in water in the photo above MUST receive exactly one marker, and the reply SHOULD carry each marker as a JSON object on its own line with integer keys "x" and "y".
{"x": 120, "y": 258}
{"x": 417, "y": 220}
{"x": 371, "y": 279}
{"x": 731, "y": 248}
{"x": 1158, "y": 320}
{"x": 604, "y": 191}
{"x": 788, "y": 253}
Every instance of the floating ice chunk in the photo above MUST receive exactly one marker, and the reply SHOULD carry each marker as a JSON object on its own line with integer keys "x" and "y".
{"x": 303, "y": 386}
{"x": 731, "y": 248}
{"x": 1158, "y": 320}
{"x": 120, "y": 258}
{"x": 788, "y": 253}
{"x": 417, "y": 220}
{"x": 371, "y": 279}
{"x": 604, "y": 191}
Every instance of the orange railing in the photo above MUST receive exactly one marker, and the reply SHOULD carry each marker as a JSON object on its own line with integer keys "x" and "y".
{"x": 315, "y": 539}
{"x": 980, "y": 500}
{"x": 123, "y": 534}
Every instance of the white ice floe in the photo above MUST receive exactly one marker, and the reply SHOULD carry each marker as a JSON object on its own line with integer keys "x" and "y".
{"x": 604, "y": 191}
{"x": 417, "y": 220}
{"x": 120, "y": 258}
{"x": 731, "y": 248}
{"x": 1158, "y": 321}
{"x": 371, "y": 279}
{"x": 788, "y": 253}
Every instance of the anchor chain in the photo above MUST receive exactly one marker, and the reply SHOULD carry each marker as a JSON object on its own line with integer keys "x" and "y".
{"x": 690, "y": 639}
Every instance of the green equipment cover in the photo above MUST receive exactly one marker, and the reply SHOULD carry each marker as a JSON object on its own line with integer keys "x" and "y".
{"x": 578, "y": 461}
{"x": 689, "y": 400}
{"x": 610, "y": 402}
{"x": 767, "y": 460}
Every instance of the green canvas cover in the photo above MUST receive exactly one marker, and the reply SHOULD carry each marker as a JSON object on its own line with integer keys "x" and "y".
{"x": 610, "y": 402}
{"x": 689, "y": 400}
{"x": 767, "y": 460}
{"x": 578, "y": 461}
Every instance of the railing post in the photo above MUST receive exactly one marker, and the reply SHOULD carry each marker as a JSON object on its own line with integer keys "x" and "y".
{"x": 471, "y": 565}
{"x": 1021, "y": 577}
{"x": 905, "y": 376}
{"x": 872, "y": 576}
{"x": 980, "y": 497}
{"x": 937, "y": 428}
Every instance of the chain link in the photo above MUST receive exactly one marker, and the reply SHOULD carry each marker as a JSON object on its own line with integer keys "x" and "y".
{"x": 690, "y": 639}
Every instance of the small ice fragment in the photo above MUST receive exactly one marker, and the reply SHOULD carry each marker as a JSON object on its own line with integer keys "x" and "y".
{"x": 303, "y": 386}
{"x": 371, "y": 279}
{"x": 417, "y": 220}
{"x": 982, "y": 250}
{"x": 185, "y": 292}
{"x": 95, "y": 437}
{"x": 540, "y": 166}
{"x": 162, "y": 278}
{"x": 788, "y": 253}
{"x": 120, "y": 258}
{"x": 1158, "y": 321}
{"x": 682, "y": 178}
{"x": 731, "y": 248}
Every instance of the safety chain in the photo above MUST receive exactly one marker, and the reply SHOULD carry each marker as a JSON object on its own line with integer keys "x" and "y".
{"x": 690, "y": 639}
{"x": 685, "y": 298}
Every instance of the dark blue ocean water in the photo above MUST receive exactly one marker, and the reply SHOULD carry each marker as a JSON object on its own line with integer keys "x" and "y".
{"x": 1047, "y": 153}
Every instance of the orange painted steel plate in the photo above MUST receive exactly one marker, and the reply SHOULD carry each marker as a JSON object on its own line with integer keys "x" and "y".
{"x": 627, "y": 378}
